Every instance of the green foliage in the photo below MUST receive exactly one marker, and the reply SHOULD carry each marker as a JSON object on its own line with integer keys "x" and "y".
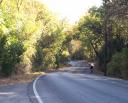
{"x": 119, "y": 64}
{"x": 50, "y": 46}
{"x": 29, "y": 35}
{"x": 107, "y": 21}
{"x": 11, "y": 52}
{"x": 62, "y": 57}
{"x": 48, "y": 59}
{"x": 115, "y": 45}
{"x": 2, "y": 44}
{"x": 90, "y": 33}
{"x": 34, "y": 39}
{"x": 38, "y": 59}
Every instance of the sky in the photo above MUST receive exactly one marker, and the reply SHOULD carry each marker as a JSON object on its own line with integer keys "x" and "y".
{"x": 72, "y": 10}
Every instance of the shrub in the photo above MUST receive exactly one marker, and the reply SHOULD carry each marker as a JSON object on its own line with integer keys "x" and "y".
{"x": 114, "y": 45}
{"x": 114, "y": 66}
{"x": 49, "y": 59}
{"x": 12, "y": 51}
{"x": 119, "y": 64}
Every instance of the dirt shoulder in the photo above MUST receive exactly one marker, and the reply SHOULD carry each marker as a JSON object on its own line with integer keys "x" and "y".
{"x": 17, "y": 79}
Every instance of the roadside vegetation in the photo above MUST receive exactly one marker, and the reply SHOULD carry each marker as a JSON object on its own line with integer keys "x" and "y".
{"x": 103, "y": 32}
{"x": 33, "y": 39}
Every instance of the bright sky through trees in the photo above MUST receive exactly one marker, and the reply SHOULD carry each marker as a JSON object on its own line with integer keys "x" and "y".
{"x": 71, "y": 9}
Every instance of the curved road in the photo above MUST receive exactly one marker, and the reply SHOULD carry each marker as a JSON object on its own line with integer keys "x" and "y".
{"x": 64, "y": 87}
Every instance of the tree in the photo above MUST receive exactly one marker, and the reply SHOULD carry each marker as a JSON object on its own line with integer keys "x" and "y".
{"x": 28, "y": 29}
{"x": 90, "y": 30}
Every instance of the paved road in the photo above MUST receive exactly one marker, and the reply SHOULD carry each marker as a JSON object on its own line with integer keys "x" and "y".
{"x": 77, "y": 67}
{"x": 63, "y": 87}
{"x": 14, "y": 94}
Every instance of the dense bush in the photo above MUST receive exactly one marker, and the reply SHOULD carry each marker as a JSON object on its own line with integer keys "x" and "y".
{"x": 119, "y": 64}
{"x": 49, "y": 60}
{"x": 30, "y": 37}
{"x": 114, "y": 45}
{"x": 12, "y": 51}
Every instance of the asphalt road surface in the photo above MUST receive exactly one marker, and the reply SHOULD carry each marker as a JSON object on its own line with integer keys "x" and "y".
{"x": 64, "y": 87}
{"x": 14, "y": 93}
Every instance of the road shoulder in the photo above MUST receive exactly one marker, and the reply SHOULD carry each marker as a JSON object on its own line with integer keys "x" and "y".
{"x": 14, "y": 93}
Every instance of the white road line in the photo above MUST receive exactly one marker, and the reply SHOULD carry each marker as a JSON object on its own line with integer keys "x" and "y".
{"x": 35, "y": 91}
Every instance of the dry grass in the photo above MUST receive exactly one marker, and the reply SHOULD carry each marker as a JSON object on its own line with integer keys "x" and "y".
{"x": 26, "y": 78}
